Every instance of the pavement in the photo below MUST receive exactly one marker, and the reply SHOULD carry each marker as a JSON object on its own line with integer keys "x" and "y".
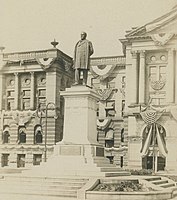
{"x": 31, "y": 197}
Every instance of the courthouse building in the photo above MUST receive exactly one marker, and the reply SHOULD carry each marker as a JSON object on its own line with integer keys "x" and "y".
{"x": 151, "y": 93}
{"x": 137, "y": 110}
{"x": 30, "y": 85}
{"x": 138, "y": 105}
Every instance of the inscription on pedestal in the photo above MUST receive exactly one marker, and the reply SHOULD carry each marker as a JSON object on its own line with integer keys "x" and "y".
{"x": 70, "y": 150}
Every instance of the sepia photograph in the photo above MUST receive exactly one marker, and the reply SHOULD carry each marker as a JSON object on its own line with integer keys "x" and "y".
{"x": 88, "y": 100}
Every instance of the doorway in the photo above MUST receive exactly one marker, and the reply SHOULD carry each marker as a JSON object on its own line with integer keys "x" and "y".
{"x": 147, "y": 163}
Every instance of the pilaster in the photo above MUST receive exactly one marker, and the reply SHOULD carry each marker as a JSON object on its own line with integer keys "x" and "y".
{"x": 170, "y": 77}
{"x": 175, "y": 56}
{"x": 32, "y": 92}
{"x": 53, "y": 84}
{"x": 134, "y": 78}
{"x": 16, "y": 99}
{"x": 142, "y": 78}
{"x": 1, "y": 90}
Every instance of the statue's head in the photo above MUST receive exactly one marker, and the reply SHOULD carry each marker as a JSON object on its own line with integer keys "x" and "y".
{"x": 83, "y": 35}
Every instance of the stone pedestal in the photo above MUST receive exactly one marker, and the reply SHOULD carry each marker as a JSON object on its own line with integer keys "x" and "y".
{"x": 80, "y": 116}
{"x": 79, "y": 153}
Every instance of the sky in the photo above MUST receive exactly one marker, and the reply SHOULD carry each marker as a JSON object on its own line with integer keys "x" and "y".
{"x": 28, "y": 25}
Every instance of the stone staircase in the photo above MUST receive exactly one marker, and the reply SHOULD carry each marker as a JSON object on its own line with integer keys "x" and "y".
{"x": 41, "y": 186}
{"x": 109, "y": 170}
{"x": 162, "y": 182}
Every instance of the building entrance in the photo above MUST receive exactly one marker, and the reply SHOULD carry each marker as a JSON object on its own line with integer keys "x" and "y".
{"x": 148, "y": 162}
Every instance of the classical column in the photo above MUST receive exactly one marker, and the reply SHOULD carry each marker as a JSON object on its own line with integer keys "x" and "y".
{"x": 134, "y": 78}
{"x": 142, "y": 78}
{"x": 170, "y": 78}
{"x": 16, "y": 99}
{"x": 32, "y": 92}
{"x": 175, "y": 55}
{"x": 1, "y": 90}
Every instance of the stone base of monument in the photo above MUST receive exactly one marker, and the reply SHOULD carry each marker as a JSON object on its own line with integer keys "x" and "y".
{"x": 79, "y": 153}
{"x": 77, "y": 160}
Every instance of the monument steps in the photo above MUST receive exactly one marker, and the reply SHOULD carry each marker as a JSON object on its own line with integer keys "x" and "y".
{"x": 61, "y": 187}
{"x": 111, "y": 169}
{"x": 114, "y": 174}
{"x": 162, "y": 182}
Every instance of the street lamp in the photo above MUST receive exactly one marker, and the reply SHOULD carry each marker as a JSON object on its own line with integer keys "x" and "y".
{"x": 46, "y": 108}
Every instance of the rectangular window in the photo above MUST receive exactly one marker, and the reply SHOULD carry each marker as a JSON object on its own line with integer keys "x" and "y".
{"x": 121, "y": 161}
{"x": 10, "y": 93}
{"x": 123, "y": 81}
{"x": 37, "y": 159}
{"x": 42, "y": 93}
{"x": 10, "y": 104}
{"x": 4, "y": 160}
{"x": 20, "y": 160}
{"x": 26, "y": 93}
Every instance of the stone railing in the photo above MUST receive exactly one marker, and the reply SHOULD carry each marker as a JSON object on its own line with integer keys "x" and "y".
{"x": 30, "y": 55}
{"x": 119, "y": 60}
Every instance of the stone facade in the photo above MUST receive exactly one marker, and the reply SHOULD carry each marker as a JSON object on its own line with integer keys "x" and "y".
{"x": 151, "y": 94}
{"x": 107, "y": 77}
{"x": 136, "y": 111}
{"x": 30, "y": 85}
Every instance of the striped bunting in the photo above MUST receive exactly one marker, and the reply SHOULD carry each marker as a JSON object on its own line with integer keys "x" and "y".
{"x": 150, "y": 116}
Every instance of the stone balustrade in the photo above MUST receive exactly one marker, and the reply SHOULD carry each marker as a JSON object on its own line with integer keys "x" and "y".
{"x": 118, "y": 60}
{"x": 30, "y": 55}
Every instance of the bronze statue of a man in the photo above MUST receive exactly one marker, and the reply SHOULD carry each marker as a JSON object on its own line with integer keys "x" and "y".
{"x": 83, "y": 51}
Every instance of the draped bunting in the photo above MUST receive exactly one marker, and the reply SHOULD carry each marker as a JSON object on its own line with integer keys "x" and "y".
{"x": 102, "y": 73}
{"x": 161, "y": 144}
{"x": 145, "y": 148}
{"x": 150, "y": 116}
{"x": 45, "y": 63}
{"x": 104, "y": 93}
{"x": 103, "y": 124}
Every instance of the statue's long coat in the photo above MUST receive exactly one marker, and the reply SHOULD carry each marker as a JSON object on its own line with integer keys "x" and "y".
{"x": 83, "y": 51}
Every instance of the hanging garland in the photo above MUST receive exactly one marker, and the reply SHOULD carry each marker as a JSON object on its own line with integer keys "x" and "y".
{"x": 102, "y": 73}
{"x": 103, "y": 124}
{"x": 104, "y": 93}
{"x": 150, "y": 116}
{"x": 45, "y": 63}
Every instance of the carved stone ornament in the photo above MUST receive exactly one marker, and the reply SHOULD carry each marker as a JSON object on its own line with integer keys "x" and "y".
{"x": 102, "y": 72}
{"x": 45, "y": 63}
{"x": 158, "y": 84}
{"x": 21, "y": 118}
{"x": 161, "y": 39}
{"x": 104, "y": 93}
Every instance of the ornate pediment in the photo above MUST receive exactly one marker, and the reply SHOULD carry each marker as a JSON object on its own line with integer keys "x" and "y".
{"x": 161, "y": 30}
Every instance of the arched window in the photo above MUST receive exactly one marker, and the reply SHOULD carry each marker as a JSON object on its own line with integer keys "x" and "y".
{"x": 38, "y": 137}
{"x": 22, "y": 135}
{"x": 109, "y": 138}
{"x": 6, "y": 135}
{"x": 122, "y": 135}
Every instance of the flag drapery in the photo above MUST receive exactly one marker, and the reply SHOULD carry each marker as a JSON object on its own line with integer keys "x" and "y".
{"x": 161, "y": 143}
{"x": 146, "y": 146}
{"x": 150, "y": 116}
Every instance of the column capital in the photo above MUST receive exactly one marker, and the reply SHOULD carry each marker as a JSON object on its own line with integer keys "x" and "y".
{"x": 32, "y": 73}
{"x": 142, "y": 53}
{"x": 16, "y": 73}
{"x": 134, "y": 54}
